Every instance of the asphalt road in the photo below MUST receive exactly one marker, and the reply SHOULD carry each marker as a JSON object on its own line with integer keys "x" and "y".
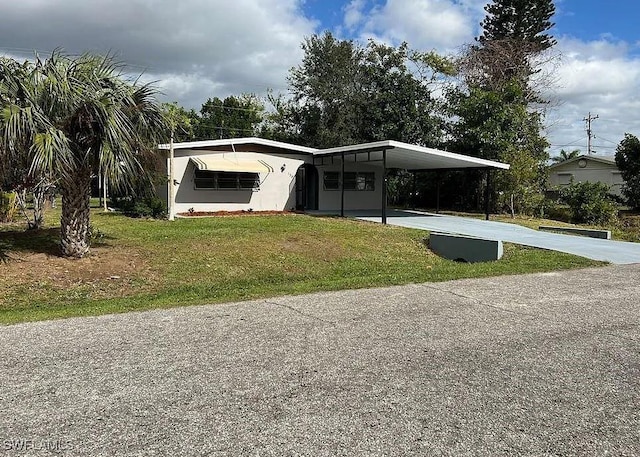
{"x": 539, "y": 365}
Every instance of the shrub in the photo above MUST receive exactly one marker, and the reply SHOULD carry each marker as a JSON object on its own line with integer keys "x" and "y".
{"x": 589, "y": 202}
{"x": 140, "y": 207}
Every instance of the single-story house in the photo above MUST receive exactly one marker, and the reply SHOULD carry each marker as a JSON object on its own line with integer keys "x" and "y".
{"x": 255, "y": 174}
{"x": 587, "y": 168}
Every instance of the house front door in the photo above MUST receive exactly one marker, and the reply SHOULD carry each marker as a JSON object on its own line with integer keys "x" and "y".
{"x": 307, "y": 188}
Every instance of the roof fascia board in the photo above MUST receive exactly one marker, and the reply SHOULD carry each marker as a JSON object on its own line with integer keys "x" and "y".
{"x": 235, "y": 141}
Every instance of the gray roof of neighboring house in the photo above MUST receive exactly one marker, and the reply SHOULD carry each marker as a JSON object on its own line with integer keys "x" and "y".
{"x": 608, "y": 160}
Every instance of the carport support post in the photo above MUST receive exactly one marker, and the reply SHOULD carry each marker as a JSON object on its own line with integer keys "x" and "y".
{"x": 437, "y": 192}
{"x": 413, "y": 190}
{"x": 487, "y": 192}
{"x": 384, "y": 186}
{"x": 342, "y": 188}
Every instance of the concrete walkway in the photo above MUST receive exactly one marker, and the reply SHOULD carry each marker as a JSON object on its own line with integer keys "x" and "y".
{"x": 617, "y": 252}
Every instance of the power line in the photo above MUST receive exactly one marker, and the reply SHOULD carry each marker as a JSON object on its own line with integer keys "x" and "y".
{"x": 573, "y": 143}
{"x": 608, "y": 141}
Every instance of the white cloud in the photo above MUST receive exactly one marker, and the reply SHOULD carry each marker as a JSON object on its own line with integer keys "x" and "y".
{"x": 424, "y": 24}
{"x": 202, "y": 48}
{"x": 600, "y": 77}
{"x": 354, "y": 13}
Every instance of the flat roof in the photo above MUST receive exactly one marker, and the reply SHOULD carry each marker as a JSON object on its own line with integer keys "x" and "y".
{"x": 413, "y": 157}
{"x": 399, "y": 155}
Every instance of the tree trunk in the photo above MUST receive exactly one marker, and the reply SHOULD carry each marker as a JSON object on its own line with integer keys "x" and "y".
{"x": 75, "y": 236}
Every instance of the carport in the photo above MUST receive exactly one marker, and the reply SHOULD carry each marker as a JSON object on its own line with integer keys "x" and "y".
{"x": 397, "y": 155}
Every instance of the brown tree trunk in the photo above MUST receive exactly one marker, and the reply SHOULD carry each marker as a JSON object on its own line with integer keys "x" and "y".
{"x": 75, "y": 236}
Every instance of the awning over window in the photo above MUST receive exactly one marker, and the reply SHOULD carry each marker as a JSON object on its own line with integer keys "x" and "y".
{"x": 223, "y": 164}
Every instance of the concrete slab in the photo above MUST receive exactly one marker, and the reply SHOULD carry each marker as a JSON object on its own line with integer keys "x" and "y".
{"x": 617, "y": 252}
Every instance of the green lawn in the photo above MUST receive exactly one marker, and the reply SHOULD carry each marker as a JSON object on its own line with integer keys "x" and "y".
{"x": 142, "y": 264}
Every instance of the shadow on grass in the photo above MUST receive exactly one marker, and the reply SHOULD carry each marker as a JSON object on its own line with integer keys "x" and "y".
{"x": 41, "y": 241}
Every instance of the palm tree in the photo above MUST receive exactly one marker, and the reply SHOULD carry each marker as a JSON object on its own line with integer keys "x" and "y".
{"x": 564, "y": 155}
{"x": 73, "y": 117}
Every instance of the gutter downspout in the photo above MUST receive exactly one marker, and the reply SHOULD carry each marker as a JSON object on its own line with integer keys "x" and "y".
{"x": 172, "y": 189}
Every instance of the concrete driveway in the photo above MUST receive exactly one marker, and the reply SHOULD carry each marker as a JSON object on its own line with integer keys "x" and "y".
{"x": 536, "y": 365}
{"x": 617, "y": 252}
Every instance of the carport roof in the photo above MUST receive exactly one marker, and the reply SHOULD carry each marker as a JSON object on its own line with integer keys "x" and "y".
{"x": 413, "y": 157}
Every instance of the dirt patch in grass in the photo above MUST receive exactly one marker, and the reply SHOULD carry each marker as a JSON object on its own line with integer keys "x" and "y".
{"x": 316, "y": 249}
{"x": 106, "y": 272}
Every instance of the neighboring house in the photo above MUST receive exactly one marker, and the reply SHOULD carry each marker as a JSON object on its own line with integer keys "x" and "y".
{"x": 587, "y": 168}
{"x": 254, "y": 174}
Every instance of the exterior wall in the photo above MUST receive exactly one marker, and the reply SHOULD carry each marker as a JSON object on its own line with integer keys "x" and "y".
{"x": 276, "y": 193}
{"x": 277, "y": 189}
{"x": 329, "y": 200}
{"x": 594, "y": 171}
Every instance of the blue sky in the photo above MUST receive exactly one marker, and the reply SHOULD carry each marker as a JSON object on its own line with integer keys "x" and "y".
{"x": 196, "y": 49}
{"x": 582, "y": 19}
{"x": 589, "y": 19}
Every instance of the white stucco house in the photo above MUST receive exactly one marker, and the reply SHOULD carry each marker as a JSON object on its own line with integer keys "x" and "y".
{"x": 587, "y": 168}
{"x": 263, "y": 175}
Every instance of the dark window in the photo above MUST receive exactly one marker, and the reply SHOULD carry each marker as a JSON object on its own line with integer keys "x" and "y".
{"x": 359, "y": 181}
{"x": 226, "y": 180}
{"x": 331, "y": 180}
{"x": 352, "y": 180}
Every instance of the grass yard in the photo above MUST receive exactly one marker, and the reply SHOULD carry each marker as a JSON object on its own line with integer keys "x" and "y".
{"x": 138, "y": 264}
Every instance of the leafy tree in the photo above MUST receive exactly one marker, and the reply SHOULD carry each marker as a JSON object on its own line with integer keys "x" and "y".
{"x": 326, "y": 93}
{"x": 182, "y": 123}
{"x": 229, "y": 118}
{"x": 564, "y": 156}
{"x": 515, "y": 32}
{"x": 497, "y": 125}
{"x": 345, "y": 93}
{"x": 589, "y": 202}
{"x": 523, "y": 20}
{"x": 16, "y": 173}
{"x": 494, "y": 110}
{"x": 75, "y": 116}
{"x": 394, "y": 103}
{"x": 628, "y": 161}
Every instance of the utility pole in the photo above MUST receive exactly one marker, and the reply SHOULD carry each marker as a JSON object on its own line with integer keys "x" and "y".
{"x": 588, "y": 120}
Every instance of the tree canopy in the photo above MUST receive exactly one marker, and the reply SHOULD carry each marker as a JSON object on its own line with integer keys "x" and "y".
{"x": 628, "y": 161}
{"x": 229, "y": 118}
{"x": 564, "y": 156}
{"x": 345, "y": 93}
{"x": 523, "y": 20}
{"x": 494, "y": 110}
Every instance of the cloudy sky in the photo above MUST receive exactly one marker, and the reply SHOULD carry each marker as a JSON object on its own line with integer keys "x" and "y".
{"x": 197, "y": 49}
